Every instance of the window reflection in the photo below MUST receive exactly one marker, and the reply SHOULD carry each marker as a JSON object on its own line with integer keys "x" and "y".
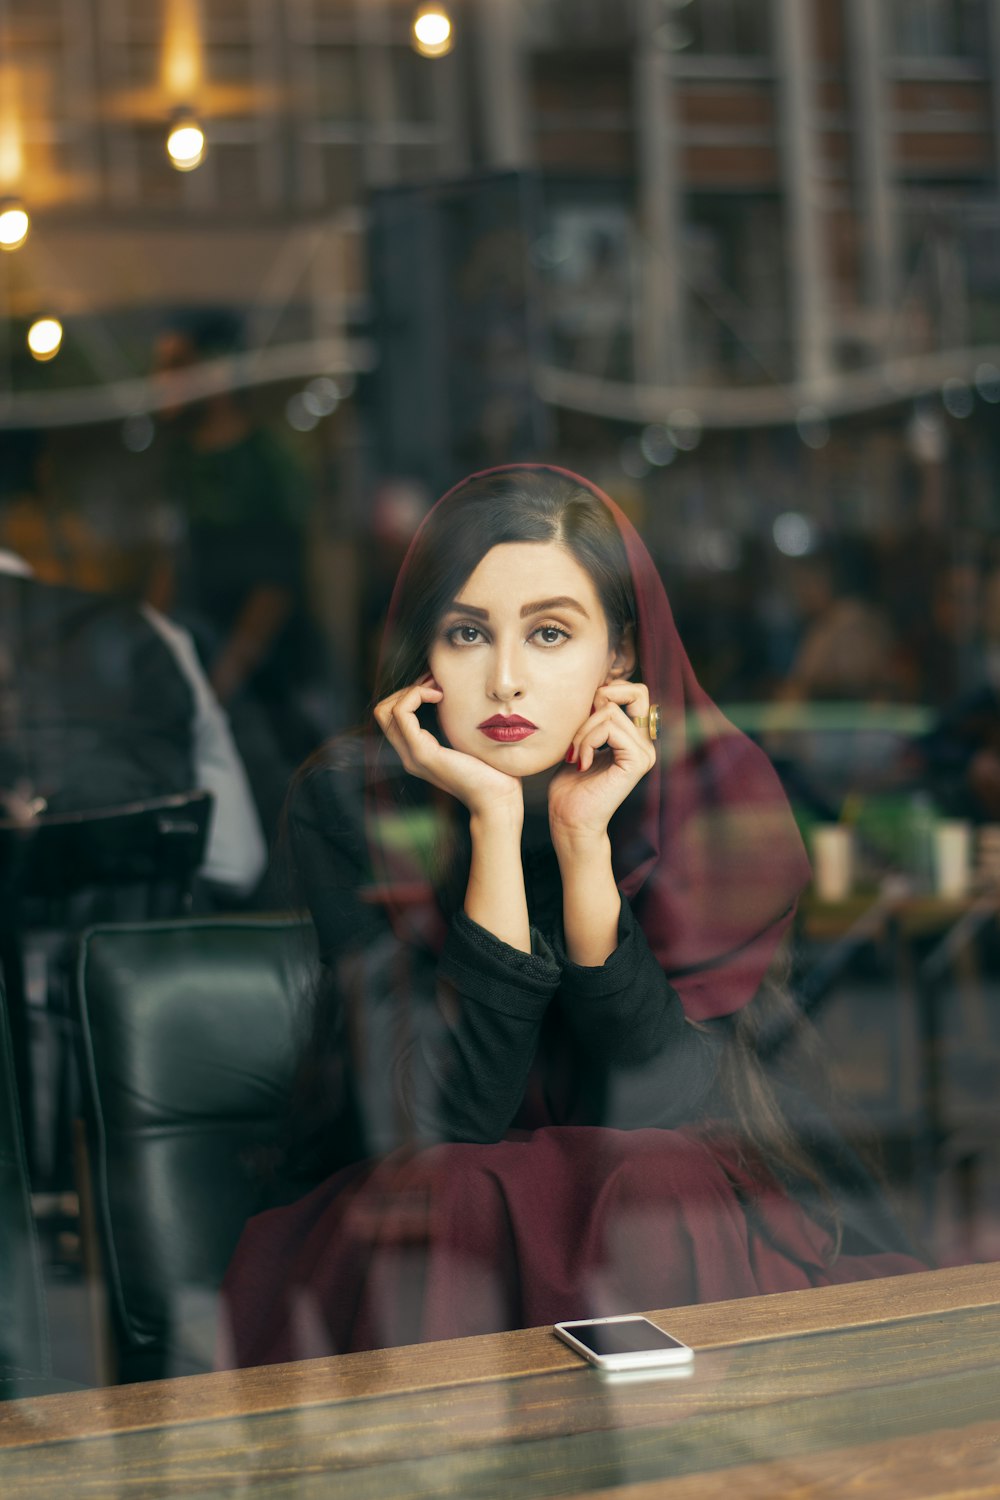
{"x": 741, "y": 276}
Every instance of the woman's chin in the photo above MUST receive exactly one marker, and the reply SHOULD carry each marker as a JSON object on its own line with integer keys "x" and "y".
{"x": 519, "y": 760}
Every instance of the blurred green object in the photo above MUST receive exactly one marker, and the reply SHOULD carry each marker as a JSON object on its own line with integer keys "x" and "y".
{"x": 416, "y": 834}
{"x": 883, "y": 825}
{"x": 893, "y": 834}
{"x": 904, "y": 719}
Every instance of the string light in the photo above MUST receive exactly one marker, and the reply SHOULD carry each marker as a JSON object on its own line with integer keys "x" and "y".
{"x": 185, "y": 142}
{"x": 45, "y": 338}
{"x": 14, "y": 224}
{"x": 432, "y": 31}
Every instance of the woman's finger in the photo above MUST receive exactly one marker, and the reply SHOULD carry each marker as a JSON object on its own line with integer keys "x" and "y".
{"x": 417, "y": 739}
{"x": 611, "y": 726}
{"x": 407, "y": 699}
{"x": 592, "y": 734}
{"x": 633, "y": 697}
{"x": 397, "y": 718}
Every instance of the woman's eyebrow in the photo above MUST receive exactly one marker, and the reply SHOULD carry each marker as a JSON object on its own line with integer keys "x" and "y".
{"x": 536, "y": 608}
{"x": 562, "y": 602}
{"x": 456, "y": 607}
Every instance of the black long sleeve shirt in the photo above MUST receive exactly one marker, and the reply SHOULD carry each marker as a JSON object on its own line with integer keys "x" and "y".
{"x": 486, "y": 1037}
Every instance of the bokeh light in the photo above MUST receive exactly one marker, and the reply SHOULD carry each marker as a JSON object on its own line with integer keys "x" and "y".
{"x": 321, "y": 396}
{"x": 988, "y": 382}
{"x": 45, "y": 338}
{"x": 186, "y": 143}
{"x": 433, "y": 34}
{"x": 813, "y": 427}
{"x": 14, "y": 224}
{"x": 138, "y": 432}
{"x": 927, "y": 435}
{"x": 658, "y": 447}
{"x": 793, "y": 533}
{"x": 684, "y": 428}
{"x": 958, "y": 398}
{"x": 299, "y": 414}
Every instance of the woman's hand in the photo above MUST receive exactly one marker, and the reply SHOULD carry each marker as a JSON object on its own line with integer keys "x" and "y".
{"x": 609, "y": 756}
{"x": 482, "y": 789}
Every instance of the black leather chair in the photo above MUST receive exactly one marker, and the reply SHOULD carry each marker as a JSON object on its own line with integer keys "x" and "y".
{"x": 63, "y": 872}
{"x": 188, "y": 1032}
{"x": 24, "y": 1346}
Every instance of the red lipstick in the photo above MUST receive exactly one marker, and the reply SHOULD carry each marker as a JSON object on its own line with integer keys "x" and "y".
{"x": 507, "y": 731}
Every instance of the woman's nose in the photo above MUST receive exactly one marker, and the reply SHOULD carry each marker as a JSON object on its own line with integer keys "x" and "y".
{"x": 505, "y": 678}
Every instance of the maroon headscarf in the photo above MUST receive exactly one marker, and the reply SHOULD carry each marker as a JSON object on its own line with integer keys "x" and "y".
{"x": 706, "y": 849}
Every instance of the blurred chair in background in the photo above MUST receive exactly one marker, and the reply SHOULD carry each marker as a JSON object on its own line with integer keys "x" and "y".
{"x": 188, "y": 1033}
{"x": 103, "y": 706}
{"x": 57, "y": 875}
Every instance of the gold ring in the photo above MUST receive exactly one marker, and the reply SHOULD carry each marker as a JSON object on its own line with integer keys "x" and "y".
{"x": 650, "y": 721}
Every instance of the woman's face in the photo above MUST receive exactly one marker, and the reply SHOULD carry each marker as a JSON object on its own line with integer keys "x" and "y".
{"x": 519, "y": 656}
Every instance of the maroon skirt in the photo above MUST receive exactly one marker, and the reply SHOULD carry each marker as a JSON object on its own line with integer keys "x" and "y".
{"x": 567, "y": 1222}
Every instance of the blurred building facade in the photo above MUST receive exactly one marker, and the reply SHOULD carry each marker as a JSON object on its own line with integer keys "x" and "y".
{"x": 743, "y": 192}
{"x": 742, "y": 257}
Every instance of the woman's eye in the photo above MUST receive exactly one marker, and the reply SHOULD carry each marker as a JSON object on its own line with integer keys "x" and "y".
{"x": 551, "y": 635}
{"x": 463, "y": 635}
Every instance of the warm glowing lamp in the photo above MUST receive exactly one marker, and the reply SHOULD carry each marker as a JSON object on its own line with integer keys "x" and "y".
{"x": 182, "y": 64}
{"x": 14, "y": 224}
{"x": 432, "y": 31}
{"x": 45, "y": 338}
{"x": 185, "y": 142}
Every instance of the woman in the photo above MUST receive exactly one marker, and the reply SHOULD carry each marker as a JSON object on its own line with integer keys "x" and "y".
{"x": 550, "y": 900}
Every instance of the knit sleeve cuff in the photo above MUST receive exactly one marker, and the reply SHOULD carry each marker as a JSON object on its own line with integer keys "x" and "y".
{"x": 619, "y": 969}
{"x": 492, "y": 973}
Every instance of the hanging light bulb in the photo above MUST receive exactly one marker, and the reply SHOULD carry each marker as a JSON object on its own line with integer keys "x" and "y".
{"x": 433, "y": 34}
{"x": 185, "y": 142}
{"x": 45, "y": 338}
{"x": 14, "y": 224}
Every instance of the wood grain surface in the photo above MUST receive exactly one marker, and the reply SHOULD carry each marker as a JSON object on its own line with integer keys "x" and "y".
{"x": 419, "y": 1367}
{"x": 908, "y": 1396}
{"x": 966, "y": 1467}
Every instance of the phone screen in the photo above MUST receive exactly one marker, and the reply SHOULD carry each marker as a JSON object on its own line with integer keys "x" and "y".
{"x": 631, "y": 1336}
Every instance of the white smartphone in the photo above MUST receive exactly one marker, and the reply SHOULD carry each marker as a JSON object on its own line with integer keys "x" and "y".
{"x": 630, "y": 1342}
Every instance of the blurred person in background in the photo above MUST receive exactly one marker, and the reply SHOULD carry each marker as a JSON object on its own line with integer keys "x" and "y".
{"x": 846, "y": 653}
{"x": 948, "y": 646}
{"x": 50, "y": 536}
{"x": 961, "y": 755}
{"x": 235, "y": 576}
{"x": 846, "y": 649}
{"x": 103, "y": 702}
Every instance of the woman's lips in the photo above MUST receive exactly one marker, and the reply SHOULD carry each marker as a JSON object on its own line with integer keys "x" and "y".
{"x": 507, "y": 731}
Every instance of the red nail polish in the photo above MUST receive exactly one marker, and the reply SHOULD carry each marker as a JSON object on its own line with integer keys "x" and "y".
{"x": 570, "y": 755}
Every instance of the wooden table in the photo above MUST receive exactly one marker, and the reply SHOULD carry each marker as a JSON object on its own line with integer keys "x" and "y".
{"x": 876, "y": 1389}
